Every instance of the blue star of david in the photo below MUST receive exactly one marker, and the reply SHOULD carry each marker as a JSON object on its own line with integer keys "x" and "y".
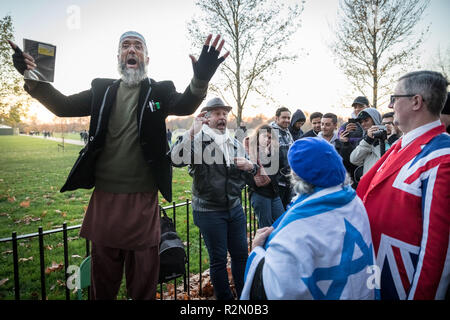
{"x": 340, "y": 273}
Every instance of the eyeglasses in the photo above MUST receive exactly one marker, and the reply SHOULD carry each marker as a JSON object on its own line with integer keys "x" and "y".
{"x": 402, "y": 96}
{"x": 137, "y": 46}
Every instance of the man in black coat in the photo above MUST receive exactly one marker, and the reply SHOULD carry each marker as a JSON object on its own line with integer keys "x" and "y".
{"x": 125, "y": 159}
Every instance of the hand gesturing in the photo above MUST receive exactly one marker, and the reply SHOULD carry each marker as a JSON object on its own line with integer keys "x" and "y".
{"x": 209, "y": 61}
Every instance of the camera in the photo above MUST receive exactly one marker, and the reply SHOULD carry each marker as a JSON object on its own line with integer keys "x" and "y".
{"x": 381, "y": 133}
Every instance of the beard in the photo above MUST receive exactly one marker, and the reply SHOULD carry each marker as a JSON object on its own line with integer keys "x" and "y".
{"x": 132, "y": 77}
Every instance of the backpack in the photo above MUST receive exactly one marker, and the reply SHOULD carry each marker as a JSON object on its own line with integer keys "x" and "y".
{"x": 171, "y": 251}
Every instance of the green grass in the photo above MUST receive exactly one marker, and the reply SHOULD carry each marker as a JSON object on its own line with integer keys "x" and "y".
{"x": 31, "y": 174}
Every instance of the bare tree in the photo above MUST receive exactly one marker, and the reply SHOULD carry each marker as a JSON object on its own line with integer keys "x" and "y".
{"x": 257, "y": 33}
{"x": 13, "y": 98}
{"x": 375, "y": 40}
{"x": 442, "y": 61}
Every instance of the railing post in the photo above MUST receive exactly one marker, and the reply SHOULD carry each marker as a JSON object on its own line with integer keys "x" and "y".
{"x": 188, "y": 251}
{"x": 66, "y": 258}
{"x": 174, "y": 216}
{"x": 16, "y": 266}
{"x": 88, "y": 249}
{"x": 42, "y": 263}
{"x": 200, "y": 258}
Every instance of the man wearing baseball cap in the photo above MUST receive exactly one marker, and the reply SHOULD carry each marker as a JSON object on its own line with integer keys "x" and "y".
{"x": 125, "y": 159}
{"x": 351, "y": 133}
{"x": 324, "y": 236}
{"x": 218, "y": 178}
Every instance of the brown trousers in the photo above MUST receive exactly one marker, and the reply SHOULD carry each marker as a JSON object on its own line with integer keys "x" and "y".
{"x": 141, "y": 272}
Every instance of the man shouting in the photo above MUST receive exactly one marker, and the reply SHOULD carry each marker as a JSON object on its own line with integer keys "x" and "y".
{"x": 125, "y": 159}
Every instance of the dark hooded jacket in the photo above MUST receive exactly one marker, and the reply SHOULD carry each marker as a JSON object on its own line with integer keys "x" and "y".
{"x": 297, "y": 116}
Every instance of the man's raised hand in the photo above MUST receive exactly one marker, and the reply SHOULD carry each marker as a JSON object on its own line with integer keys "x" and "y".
{"x": 209, "y": 61}
{"x": 22, "y": 61}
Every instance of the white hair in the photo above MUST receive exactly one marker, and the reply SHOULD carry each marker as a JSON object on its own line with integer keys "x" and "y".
{"x": 132, "y": 77}
{"x": 300, "y": 186}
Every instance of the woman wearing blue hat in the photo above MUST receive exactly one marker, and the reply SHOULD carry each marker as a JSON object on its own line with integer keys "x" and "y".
{"x": 321, "y": 247}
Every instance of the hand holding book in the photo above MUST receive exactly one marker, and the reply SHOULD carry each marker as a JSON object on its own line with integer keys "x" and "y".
{"x": 37, "y": 62}
{"x": 22, "y": 61}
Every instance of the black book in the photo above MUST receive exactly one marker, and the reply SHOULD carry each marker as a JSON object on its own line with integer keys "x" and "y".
{"x": 44, "y": 55}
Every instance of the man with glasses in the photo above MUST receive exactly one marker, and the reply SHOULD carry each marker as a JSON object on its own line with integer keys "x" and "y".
{"x": 393, "y": 131}
{"x": 125, "y": 159}
{"x": 407, "y": 192}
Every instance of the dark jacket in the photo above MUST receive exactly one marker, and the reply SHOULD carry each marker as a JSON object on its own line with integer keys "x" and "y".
{"x": 285, "y": 142}
{"x": 310, "y": 133}
{"x": 269, "y": 191}
{"x": 297, "y": 116}
{"x": 215, "y": 186}
{"x": 97, "y": 102}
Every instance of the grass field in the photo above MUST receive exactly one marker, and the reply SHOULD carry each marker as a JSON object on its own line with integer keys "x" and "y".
{"x": 31, "y": 173}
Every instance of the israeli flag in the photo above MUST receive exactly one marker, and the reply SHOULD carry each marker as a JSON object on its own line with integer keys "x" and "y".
{"x": 321, "y": 248}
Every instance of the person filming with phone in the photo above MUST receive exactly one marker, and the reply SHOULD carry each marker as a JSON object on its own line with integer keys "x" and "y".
{"x": 373, "y": 144}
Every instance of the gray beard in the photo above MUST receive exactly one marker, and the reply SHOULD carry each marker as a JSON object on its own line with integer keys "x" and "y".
{"x": 132, "y": 77}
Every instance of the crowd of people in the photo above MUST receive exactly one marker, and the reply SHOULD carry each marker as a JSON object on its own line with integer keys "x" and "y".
{"x": 359, "y": 211}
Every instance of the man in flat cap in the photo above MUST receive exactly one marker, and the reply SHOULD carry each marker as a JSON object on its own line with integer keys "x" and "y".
{"x": 220, "y": 168}
{"x": 125, "y": 159}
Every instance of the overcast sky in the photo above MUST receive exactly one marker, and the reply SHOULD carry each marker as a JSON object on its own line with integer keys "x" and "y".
{"x": 86, "y": 34}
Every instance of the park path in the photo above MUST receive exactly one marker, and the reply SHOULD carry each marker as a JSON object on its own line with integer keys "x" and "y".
{"x": 70, "y": 141}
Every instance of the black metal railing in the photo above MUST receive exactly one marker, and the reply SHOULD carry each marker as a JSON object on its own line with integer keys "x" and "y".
{"x": 250, "y": 229}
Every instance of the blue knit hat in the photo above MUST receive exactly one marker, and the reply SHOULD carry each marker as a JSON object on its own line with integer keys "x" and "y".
{"x": 317, "y": 162}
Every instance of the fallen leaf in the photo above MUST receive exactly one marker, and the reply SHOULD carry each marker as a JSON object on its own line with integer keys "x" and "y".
{"x": 25, "y": 259}
{"x": 208, "y": 290}
{"x": 76, "y": 256}
{"x": 25, "y": 204}
{"x": 27, "y": 219}
{"x": 54, "y": 267}
{"x": 11, "y": 199}
{"x": 3, "y": 281}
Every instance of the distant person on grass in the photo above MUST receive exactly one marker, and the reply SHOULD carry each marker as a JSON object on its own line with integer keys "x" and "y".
{"x": 125, "y": 159}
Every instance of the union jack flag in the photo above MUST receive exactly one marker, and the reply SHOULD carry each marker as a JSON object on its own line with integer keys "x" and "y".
{"x": 407, "y": 197}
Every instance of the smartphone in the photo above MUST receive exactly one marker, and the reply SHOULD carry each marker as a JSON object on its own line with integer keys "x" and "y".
{"x": 352, "y": 120}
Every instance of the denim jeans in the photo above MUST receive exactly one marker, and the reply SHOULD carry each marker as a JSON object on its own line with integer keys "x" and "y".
{"x": 224, "y": 231}
{"x": 285, "y": 195}
{"x": 267, "y": 210}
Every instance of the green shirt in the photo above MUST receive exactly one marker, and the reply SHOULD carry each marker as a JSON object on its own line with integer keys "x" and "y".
{"x": 121, "y": 167}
